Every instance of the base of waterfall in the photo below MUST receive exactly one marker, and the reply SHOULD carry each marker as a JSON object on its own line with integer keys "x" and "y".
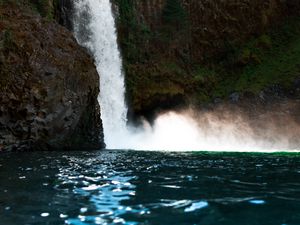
{"x": 223, "y": 130}
{"x": 193, "y": 131}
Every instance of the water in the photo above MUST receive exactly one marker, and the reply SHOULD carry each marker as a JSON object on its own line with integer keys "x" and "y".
{"x": 132, "y": 187}
{"x": 94, "y": 28}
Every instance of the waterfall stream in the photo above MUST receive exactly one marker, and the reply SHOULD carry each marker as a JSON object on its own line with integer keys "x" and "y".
{"x": 94, "y": 28}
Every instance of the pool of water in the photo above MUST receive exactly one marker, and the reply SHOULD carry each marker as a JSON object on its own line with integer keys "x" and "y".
{"x": 132, "y": 187}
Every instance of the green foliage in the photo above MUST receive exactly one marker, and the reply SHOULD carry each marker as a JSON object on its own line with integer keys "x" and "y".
{"x": 202, "y": 73}
{"x": 171, "y": 67}
{"x": 6, "y": 44}
{"x": 6, "y": 1}
{"x": 126, "y": 12}
{"x": 264, "y": 41}
{"x": 133, "y": 34}
{"x": 174, "y": 14}
{"x": 43, "y": 7}
{"x": 272, "y": 58}
{"x": 158, "y": 63}
{"x": 6, "y": 40}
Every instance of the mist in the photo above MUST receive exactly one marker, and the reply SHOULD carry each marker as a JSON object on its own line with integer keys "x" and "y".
{"x": 221, "y": 129}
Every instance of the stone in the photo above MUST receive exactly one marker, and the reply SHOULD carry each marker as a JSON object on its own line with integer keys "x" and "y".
{"x": 48, "y": 89}
{"x": 234, "y": 97}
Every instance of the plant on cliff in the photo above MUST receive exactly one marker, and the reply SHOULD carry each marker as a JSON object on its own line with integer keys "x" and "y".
{"x": 270, "y": 59}
{"x": 177, "y": 55}
{"x": 6, "y": 44}
{"x": 133, "y": 34}
{"x": 43, "y": 7}
{"x": 174, "y": 14}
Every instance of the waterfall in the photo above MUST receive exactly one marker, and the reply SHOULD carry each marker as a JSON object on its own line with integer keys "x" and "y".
{"x": 95, "y": 29}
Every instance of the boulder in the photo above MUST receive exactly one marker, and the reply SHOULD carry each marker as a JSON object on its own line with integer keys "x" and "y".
{"x": 48, "y": 86}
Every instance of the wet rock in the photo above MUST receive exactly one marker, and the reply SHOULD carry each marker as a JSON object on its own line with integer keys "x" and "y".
{"x": 64, "y": 12}
{"x": 297, "y": 87}
{"x": 218, "y": 100}
{"x": 212, "y": 34}
{"x": 48, "y": 87}
{"x": 234, "y": 97}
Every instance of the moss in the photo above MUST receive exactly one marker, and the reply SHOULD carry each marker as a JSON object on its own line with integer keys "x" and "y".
{"x": 264, "y": 41}
{"x": 45, "y": 8}
{"x": 273, "y": 58}
{"x": 203, "y": 74}
{"x": 174, "y": 14}
{"x": 158, "y": 55}
{"x": 6, "y": 45}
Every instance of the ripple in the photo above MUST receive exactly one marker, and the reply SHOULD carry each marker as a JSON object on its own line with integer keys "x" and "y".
{"x": 171, "y": 186}
{"x": 45, "y": 214}
{"x": 91, "y": 187}
{"x": 196, "y": 206}
{"x": 124, "y": 187}
{"x": 257, "y": 202}
{"x": 175, "y": 204}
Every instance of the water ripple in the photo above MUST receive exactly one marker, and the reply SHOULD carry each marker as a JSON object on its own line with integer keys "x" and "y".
{"x": 124, "y": 187}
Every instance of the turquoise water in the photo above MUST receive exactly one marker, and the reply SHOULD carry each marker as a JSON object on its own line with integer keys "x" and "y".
{"x": 131, "y": 187}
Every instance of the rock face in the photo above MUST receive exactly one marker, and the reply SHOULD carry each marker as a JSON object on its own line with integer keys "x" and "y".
{"x": 208, "y": 25}
{"x": 195, "y": 51}
{"x": 63, "y": 13}
{"x": 49, "y": 86}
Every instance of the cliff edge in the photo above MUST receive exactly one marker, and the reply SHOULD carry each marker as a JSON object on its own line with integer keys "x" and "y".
{"x": 48, "y": 87}
{"x": 196, "y": 52}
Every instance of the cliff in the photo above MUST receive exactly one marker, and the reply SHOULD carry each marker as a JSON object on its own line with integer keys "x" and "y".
{"x": 180, "y": 52}
{"x": 49, "y": 84}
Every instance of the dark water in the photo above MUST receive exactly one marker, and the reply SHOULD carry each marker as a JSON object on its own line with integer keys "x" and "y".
{"x": 127, "y": 187}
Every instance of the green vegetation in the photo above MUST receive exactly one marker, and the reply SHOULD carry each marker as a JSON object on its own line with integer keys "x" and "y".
{"x": 174, "y": 14}
{"x": 8, "y": 56}
{"x": 133, "y": 35}
{"x": 159, "y": 65}
{"x": 43, "y": 7}
{"x": 6, "y": 44}
{"x": 150, "y": 72}
{"x": 272, "y": 58}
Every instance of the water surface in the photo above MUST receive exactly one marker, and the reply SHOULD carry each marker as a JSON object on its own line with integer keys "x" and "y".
{"x": 131, "y": 187}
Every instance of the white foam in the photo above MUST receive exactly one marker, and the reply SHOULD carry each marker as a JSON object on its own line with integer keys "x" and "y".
{"x": 95, "y": 29}
{"x": 94, "y": 20}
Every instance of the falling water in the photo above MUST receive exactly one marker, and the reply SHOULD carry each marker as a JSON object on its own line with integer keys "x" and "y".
{"x": 94, "y": 28}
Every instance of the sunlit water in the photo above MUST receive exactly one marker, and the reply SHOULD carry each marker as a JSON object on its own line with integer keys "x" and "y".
{"x": 131, "y": 187}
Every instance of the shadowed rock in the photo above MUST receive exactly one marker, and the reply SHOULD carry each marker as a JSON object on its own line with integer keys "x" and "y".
{"x": 49, "y": 86}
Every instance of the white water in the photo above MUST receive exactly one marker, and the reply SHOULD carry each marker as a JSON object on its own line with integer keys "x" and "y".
{"x": 94, "y": 28}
